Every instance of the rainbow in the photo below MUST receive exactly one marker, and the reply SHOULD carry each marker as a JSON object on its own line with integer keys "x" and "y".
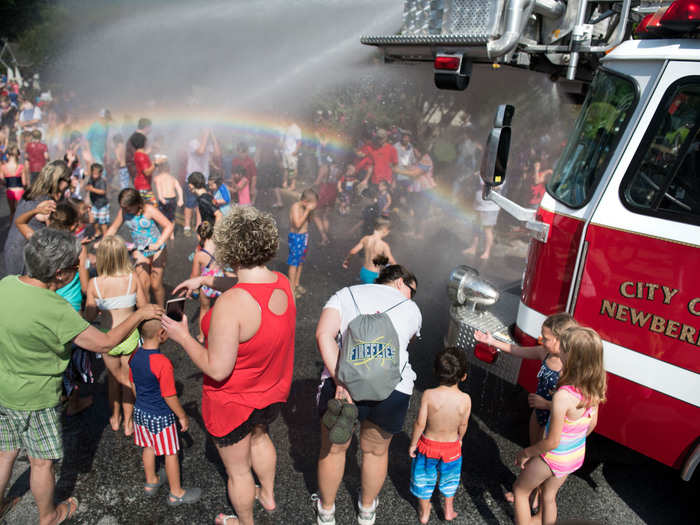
{"x": 259, "y": 124}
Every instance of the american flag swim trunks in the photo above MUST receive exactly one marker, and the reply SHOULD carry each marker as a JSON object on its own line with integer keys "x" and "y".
{"x": 157, "y": 432}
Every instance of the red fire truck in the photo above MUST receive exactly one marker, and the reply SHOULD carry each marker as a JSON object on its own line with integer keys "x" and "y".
{"x": 616, "y": 239}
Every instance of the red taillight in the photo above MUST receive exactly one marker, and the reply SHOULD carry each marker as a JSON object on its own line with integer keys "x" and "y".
{"x": 682, "y": 15}
{"x": 448, "y": 62}
{"x": 487, "y": 354}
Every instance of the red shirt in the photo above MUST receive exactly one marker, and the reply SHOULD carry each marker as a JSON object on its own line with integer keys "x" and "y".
{"x": 382, "y": 159}
{"x": 262, "y": 374}
{"x": 248, "y": 165}
{"x": 142, "y": 162}
{"x": 36, "y": 155}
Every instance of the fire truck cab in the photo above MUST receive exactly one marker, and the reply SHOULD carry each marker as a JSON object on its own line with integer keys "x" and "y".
{"x": 616, "y": 239}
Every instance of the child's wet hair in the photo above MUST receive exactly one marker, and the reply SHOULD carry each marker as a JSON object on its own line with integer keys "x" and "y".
{"x": 13, "y": 151}
{"x": 36, "y": 134}
{"x": 96, "y": 166}
{"x": 205, "y": 231}
{"x": 64, "y": 217}
{"x": 558, "y": 323}
{"x": 197, "y": 180}
{"x": 450, "y": 366}
{"x": 138, "y": 140}
{"x": 309, "y": 195}
{"x": 584, "y": 368}
{"x": 129, "y": 197}
{"x": 149, "y": 328}
{"x": 382, "y": 223}
{"x": 113, "y": 257}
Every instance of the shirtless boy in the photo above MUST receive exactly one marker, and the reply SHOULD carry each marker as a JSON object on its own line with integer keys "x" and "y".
{"x": 377, "y": 251}
{"x": 436, "y": 446}
{"x": 168, "y": 189}
{"x": 119, "y": 149}
{"x": 298, "y": 239}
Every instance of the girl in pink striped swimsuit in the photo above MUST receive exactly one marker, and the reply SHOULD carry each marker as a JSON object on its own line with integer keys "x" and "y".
{"x": 573, "y": 417}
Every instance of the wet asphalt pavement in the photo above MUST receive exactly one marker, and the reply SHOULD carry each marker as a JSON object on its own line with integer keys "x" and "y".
{"x": 103, "y": 468}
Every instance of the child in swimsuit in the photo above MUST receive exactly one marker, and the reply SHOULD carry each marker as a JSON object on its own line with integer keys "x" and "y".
{"x": 204, "y": 263}
{"x": 15, "y": 179}
{"x": 150, "y": 254}
{"x": 582, "y": 387}
{"x": 549, "y": 352}
{"x": 298, "y": 238}
{"x": 168, "y": 189}
{"x": 436, "y": 446}
{"x": 116, "y": 294}
{"x": 376, "y": 251}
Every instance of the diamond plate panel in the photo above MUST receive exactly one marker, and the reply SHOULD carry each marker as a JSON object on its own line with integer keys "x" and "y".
{"x": 463, "y": 322}
{"x": 473, "y": 18}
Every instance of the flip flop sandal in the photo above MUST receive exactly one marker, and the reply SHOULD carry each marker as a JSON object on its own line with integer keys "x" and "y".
{"x": 151, "y": 489}
{"x": 268, "y": 511}
{"x": 222, "y": 519}
{"x": 190, "y": 496}
{"x": 330, "y": 416}
{"x": 344, "y": 426}
{"x": 71, "y": 505}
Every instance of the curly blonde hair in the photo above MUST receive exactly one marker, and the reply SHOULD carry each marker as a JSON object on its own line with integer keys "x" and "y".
{"x": 245, "y": 238}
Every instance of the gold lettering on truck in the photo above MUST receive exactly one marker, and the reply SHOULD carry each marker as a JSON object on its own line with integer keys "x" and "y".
{"x": 693, "y": 307}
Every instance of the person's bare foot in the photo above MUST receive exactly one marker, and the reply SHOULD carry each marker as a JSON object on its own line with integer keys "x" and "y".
{"x": 115, "y": 422}
{"x": 469, "y": 251}
{"x": 450, "y": 514}
{"x": 485, "y": 256}
{"x": 269, "y": 508}
{"x": 65, "y": 510}
{"x": 424, "y": 514}
{"x": 129, "y": 427}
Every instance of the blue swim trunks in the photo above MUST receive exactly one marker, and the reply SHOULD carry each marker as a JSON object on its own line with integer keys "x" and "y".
{"x": 425, "y": 469}
{"x": 298, "y": 242}
{"x": 368, "y": 276}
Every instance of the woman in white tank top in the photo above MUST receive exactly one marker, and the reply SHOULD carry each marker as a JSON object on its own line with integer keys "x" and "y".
{"x": 116, "y": 292}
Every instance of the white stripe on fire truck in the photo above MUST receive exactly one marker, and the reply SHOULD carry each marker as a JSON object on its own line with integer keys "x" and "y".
{"x": 642, "y": 369}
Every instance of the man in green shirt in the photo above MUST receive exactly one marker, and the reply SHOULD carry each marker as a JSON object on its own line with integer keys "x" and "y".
{"x": 38, "y": 327}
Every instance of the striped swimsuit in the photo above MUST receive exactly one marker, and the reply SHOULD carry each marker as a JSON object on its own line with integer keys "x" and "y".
{"x": 568, "y": 456}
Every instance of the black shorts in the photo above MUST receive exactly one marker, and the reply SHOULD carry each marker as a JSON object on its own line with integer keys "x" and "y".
{"x": 389, "y": 415}
{"x": 259, "y": 416}
{"x": 169, "y": 208}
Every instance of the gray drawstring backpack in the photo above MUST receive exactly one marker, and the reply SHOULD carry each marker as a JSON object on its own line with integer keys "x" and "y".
{"x": 368, "y": 364}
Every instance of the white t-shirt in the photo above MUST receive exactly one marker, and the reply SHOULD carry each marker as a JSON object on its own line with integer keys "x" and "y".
{"x": 291, "y": 137}
{"x": 197, "y": 162}
{"x": 406, "y": 155}
{"x": 374, "y": 298}
{"x": 481, "y": 204}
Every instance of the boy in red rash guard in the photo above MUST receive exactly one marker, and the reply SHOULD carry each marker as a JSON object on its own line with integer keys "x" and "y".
{"x": 155, "y": 410}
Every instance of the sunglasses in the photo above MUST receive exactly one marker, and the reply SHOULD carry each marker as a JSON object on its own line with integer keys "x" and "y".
{"x": 413, "y": 291}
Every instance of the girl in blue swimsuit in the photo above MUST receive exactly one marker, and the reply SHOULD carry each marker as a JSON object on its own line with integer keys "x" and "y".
{"x": 548, "y": 352}
{"x": 150, "y": 230}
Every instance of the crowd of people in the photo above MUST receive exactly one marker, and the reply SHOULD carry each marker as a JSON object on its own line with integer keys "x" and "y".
{"x": 67, "y": 267}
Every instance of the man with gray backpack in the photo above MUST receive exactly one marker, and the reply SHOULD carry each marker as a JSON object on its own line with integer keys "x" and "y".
{"x": 363, "y": 337}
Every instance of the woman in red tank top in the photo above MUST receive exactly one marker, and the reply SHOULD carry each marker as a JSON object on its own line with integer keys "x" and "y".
{"x": 248, "y": 356}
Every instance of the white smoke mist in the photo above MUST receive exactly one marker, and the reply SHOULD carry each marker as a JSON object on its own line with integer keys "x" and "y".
{"x": 234, "y": 53}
